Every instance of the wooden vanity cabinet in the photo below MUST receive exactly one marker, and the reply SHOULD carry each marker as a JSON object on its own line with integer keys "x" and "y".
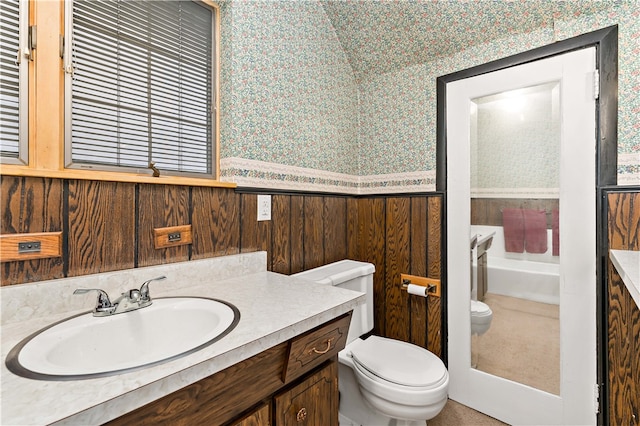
{"x": 293, "y": 383}
{"x": 313, "y": 401}
{"x": 259, "y": 417}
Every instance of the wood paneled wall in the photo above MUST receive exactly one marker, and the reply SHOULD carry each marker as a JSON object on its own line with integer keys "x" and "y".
{"x": 403, "y": 235}
{"x": 31, "y": 205}
{"x": 488, "y": 211}
{"x": 623, "y": 314}
{"x": 109, "y": 226}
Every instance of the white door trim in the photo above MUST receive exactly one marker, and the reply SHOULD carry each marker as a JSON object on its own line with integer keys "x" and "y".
{"x": 509, "y": 401}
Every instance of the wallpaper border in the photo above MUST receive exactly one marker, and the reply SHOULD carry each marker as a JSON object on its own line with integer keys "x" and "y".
{"x": 262, "y": 174}
{"x": 629, "y": 169}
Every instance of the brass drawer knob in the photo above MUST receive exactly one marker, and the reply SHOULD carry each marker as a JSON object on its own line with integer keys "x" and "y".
{"x": 302, "y": 415}
{"x": 324, "y": 351}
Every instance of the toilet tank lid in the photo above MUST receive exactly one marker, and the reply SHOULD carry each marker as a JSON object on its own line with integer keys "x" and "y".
{"x": 337, "y": 273}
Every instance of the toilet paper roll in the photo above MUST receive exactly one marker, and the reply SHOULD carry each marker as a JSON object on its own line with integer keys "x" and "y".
{"x": 418, "y": 290}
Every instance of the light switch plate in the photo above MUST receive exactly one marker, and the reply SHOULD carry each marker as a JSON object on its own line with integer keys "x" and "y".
{"x": 264, "y": 207}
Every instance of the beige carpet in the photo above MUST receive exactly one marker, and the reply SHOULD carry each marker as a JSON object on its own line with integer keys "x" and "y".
{"x": 455, "y": 414}
{"x": 522, "y": 344}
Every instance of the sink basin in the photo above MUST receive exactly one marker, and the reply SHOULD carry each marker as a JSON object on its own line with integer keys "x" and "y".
{"x": 84, "y": 346}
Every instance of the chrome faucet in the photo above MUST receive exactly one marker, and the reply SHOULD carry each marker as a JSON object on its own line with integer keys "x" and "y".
{"x": 103, "y": 304}
{"x": 128, "y": 301}
{"x": 145, "y": 298}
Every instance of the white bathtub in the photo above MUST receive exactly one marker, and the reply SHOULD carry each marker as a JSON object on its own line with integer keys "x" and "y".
{"x": 537, "y": 281}
{"x": 533, "y": 277}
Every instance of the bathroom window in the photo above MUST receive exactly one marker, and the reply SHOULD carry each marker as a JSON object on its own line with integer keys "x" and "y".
{"x": 14, "y": 54}
{"x": 140, "y": 86}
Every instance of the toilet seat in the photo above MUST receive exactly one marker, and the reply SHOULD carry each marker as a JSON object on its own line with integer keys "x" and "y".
{"x": 399, "y": 379}
{"x": 480, "y": 309}
{"x": 399, "y": 363}
{"x": 481, "y": 316}
{"x": 481, "y": 313}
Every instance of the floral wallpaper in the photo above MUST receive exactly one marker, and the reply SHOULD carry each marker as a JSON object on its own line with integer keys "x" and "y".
{"x": 340, "y": 96}
{"x": 411, "y": 127}
{"x": 627, "y": 15}
{"x": 515, "y": 143}
{"x": 288, "y": 92}
{"x": 383, "y": 36}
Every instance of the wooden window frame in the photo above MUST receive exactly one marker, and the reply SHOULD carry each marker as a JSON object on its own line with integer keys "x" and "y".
{"x": 23, "y": 56}
{"x": 46, "y": 108}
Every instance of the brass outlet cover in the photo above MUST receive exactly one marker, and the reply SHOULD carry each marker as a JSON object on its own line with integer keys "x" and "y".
{"x": 423, "y": 281}
{"x": 172, "y": 236}
{"x": 11, "y": 250}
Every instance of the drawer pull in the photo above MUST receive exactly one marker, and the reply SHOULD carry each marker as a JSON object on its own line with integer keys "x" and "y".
{"x": 315, "y": 351}
{"x": 302, "y": 415}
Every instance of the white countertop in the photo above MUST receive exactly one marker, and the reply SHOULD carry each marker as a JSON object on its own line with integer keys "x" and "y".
{"x": 627, "y": 264}
{"x": 273, "y": 309}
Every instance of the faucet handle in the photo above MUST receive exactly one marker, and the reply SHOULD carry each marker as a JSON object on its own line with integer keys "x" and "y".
{"x": 144, "y": 288}
{"x": 134, "y": 295}
{"x": 103, "y": 304}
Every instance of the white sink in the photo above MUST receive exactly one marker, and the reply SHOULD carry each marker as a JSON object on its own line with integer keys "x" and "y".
{"x": 85, "y": 346}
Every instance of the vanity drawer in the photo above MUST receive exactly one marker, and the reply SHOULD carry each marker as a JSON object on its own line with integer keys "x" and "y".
{"x": 316, "y": 346}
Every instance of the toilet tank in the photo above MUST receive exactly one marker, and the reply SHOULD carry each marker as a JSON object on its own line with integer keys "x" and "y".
{"x": 352, "y": 275}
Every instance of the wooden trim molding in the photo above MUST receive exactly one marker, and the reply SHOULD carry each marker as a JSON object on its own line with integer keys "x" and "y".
{"x": 11, "y": 170}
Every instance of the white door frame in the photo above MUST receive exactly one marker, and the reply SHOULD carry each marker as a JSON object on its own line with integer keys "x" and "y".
{"x": 506, "y": 400}
{"x": 606, "y": 42}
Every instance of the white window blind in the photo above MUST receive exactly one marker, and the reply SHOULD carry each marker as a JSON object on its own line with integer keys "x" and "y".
{"x": 13, "y": 83}
{"x": 141, "y": 77}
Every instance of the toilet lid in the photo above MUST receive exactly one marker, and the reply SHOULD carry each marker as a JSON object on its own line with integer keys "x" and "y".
{"x": 399, "y": 362}
{"x": 480, "y": 307}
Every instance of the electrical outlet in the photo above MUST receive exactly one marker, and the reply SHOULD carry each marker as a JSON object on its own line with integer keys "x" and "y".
{"x": 264, "y": 207}
{"x": 172, "y": 236}
{"x": 29, "y": 247}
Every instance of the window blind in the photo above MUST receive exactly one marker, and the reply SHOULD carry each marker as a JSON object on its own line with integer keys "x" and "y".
{"x": 142, "y": 85}
{"x": 9, "y": 79}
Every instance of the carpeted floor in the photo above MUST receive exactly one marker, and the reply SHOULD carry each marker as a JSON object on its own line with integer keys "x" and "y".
{"x": 455, "y": 414}
{"x": 522, "y": 344}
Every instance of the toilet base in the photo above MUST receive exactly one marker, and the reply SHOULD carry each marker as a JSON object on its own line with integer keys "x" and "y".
{"x": 353, "y": 410}
{"x": 410, "y": 423}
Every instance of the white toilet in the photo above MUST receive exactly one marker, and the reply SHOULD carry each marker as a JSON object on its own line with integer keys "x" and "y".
{"x": 382, "y": 381}
{"x": 481, "y": 316}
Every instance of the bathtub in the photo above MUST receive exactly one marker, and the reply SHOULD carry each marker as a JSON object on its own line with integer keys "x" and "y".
{"x": 533, "y": 277}
{"x": 525, "y": 279}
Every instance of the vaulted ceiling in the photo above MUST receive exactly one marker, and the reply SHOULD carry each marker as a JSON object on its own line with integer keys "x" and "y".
{"x": 379, "y": 36}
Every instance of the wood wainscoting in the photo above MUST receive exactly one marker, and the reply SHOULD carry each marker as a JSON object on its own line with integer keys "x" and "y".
{"x": 488, "y": 211}
{"x": 109, "y": 226}
{"x": 403, "y": 235}
{"x": 623, "y": 314}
